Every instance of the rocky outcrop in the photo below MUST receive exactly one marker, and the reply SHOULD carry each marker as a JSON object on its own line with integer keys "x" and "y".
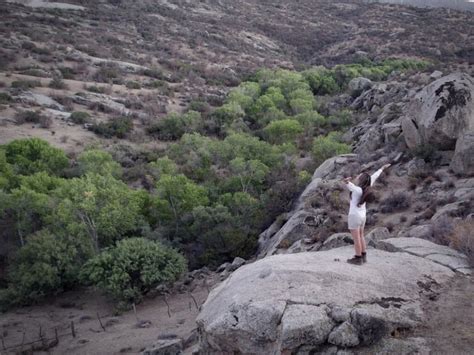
{"x": 311, "y": 301}
{"x": 304, "y": 220}
{"x": 358, "y": 85}
{"x": 437, "y": 253}
{"x": 440, "y": 113}
{"x": 463, "y": 160}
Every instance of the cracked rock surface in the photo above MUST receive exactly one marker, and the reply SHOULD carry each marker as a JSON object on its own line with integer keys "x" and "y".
{"x": 317, "y": 300}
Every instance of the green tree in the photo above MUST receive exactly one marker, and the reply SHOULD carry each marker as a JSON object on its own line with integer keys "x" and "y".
{"x": 28, "y": 156}
{"x": 321, "y": 81}
{"x": 245, "y": 94}
{"x": 175, "y": 196}
{"x": 100, "y": 207}
{"x": 162, "y": 166}
{"x": 98, "y": 162}
{"x": 6, "y": 171}
{"x": 249, "y": 173}
{"x": 132, "y": 268}
{"x": 47, "y": 264}
{"x": 283, "y": 131}
{"x": 220, "y": 236}
{"x": 328, "y": 146}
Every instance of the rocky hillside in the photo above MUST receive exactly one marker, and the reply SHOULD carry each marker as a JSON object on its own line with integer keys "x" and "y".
{"x": 311, "y": 300}
{"x": 155, "y": 57}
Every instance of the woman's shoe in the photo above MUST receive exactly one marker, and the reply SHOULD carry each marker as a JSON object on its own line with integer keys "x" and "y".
{"x": 364, "y": 257}
{"x": 356, "y": 260}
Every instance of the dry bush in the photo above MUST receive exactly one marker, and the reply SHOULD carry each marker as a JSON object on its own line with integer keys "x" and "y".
{"x": 461, "y": 238}
{"x": 397, "y": 201}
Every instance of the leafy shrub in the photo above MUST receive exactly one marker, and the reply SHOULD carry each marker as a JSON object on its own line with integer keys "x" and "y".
{"x": 118, "y": 127}
{"x": 173, "y": 126}
{"x": 33, "y": 117}
{"x": 5, "y": 98}
{"x": 328, "y": 146}
{"x": 427, "y": 152}
{"x": 398, "y": 201}
{"x": 80, "y": 117}
{"x": 133, "y": 85}
{"x": 28, "y": 156}
{"x": 57, "y": 83}
{"x": 132, "y": 268}
{"x": 68, "y": 73}
{"x": 108, "y": 72}
{"x": 461, "y": 238}
{"x": 283, "y": 131}
{"x": 98, "y": 162}
{"x": 25, "y": 84}
{"x": 98, "y": 89}
{"x": 46, "y": 265}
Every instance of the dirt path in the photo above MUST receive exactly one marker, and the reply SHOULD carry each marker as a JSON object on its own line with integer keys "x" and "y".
{"x": 126, "y": 333}
{"x": 449, "y": 326}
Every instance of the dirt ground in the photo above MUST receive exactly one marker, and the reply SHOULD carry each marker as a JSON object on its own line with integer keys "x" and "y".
{"x": 449, "y": 325}
{"x": 126, "y": 333}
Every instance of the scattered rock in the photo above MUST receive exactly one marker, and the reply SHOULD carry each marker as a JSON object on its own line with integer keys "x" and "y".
{"x": 337, "y": 240}
{"x": 305, "y": 325}
{"x": 165, "y": 347}
{"x": 440, "y": 113}
{"x": 358, "y": 85}
{"x": 238, "y": 262}
{"x": 377, "y": 234}
{"x": 463, "y": 160}
{"x": 345, "y": 335}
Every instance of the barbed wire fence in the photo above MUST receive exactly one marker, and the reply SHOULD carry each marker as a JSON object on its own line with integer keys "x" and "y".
{"x": 42, "y": 342}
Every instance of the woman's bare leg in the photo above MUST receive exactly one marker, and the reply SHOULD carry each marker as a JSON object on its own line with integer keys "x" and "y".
{"x": 357, "y": 243}
{"x": 363, "y": 246}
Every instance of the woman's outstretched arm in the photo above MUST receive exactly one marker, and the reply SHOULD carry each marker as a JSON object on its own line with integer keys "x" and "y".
{"x": 376, "y": 175}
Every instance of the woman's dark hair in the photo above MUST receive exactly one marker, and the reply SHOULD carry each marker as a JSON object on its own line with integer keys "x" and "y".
{"x": 367, "y": 194}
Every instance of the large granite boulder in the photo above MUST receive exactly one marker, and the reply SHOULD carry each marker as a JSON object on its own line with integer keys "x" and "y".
{"x": 310, "y": 301}
{"x": 440, "y": 113}
{"x": 463, "y": 160}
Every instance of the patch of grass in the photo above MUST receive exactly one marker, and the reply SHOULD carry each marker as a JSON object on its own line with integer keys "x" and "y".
{"x": 79, "y": 117}
{"x": 25, "y": 84}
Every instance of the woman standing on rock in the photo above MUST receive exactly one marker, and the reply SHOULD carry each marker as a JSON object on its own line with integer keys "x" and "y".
{"x": 357, "y": 211}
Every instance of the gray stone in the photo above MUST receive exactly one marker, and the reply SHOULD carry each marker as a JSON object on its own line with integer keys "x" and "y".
{"x": 437, "y": 253}
{"x": 377, "y": 234}
{"x": 464, "y": 193}
{"x": 305, "y": 325}
{"x": 331, "y": 167}
{"x": 31, "y": 98}
{"x": 358, "y": 85}
{"x": 165, "y": 347}
{"x": 245, "y": 313}
{"x": 340, "y": 314}
{"x": 238, "y": 262}
{"x": 436, "y": 74}
{"x": 463, "y": 160}
{"x": 421, "y": 232}
{"x": 337, "y": 240}
{"x": 296, "y": 228}
{"x": 344, "y": 335}
{"x": 440, "y": 113}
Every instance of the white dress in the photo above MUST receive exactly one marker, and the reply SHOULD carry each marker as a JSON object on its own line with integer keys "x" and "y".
{"x": 357, "y": 214}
